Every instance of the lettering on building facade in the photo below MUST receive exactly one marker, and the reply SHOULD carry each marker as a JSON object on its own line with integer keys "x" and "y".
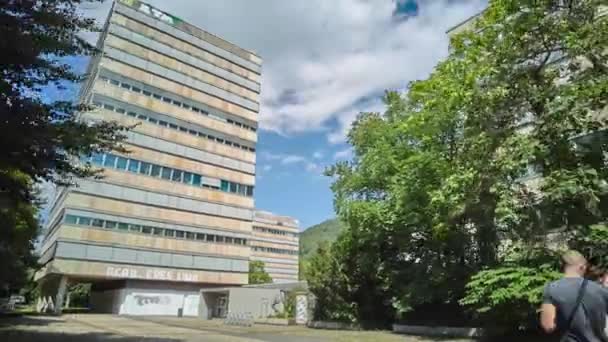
{"x": 150, "y": 274}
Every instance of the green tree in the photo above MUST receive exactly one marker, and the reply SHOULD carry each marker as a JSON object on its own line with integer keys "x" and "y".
{"x": 40, "y": 140}
{"x": 440, "y": 186}
{"x": 257, "y": 273}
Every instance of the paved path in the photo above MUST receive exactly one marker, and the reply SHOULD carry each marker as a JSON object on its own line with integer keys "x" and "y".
{"x": 108, "y": 328}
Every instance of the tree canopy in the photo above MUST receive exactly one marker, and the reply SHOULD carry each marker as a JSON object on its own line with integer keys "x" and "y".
{"x": 475, "y": 167}
{"x": 40, "y": 140}
{"x": 257, "y": 273}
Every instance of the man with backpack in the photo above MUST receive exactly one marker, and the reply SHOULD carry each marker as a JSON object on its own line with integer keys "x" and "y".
{"x": 573, "y": 306}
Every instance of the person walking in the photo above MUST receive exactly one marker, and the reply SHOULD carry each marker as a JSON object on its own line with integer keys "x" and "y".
{"x": 573, "y": 306}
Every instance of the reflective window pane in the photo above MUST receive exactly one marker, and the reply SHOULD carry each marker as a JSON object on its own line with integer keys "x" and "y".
{"x": 135, "y": 228}
{"x": 133, "y": 165}
{"x": 144, "y": 168}
{"x": 110, "y": 160}
{"x": 85, "y": 221}
{"x": 155, "y": 171}
{"x": 70, "y": 219}
{"x": 179, "y": 234}
{"x": 170, "y": 232}
{"x": 196, "y": 180}
{"x": 121, "y": 163}
{"x": 166, "y": 173}
{"x": 111, "y": 224}
{"x": 177, "y": 176}
{"x": 123, "y": 226}
{"x": 158, "y": 231}
{"x": 97, "y": 223}
{"x": 146, "y": 230}
{"x": 187, "y": 178}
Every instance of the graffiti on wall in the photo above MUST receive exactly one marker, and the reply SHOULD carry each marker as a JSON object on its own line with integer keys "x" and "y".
{"x": 142, "y": 300}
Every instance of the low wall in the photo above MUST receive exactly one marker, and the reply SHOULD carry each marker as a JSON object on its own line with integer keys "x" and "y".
{"x": 333, "y": 325}
{"x": 437, "y": 331}
{"x": 275, "y": 321}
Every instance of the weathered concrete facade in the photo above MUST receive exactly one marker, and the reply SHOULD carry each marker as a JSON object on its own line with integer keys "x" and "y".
{"x": 275, "y": 241}
{"x": 175, "y": 214}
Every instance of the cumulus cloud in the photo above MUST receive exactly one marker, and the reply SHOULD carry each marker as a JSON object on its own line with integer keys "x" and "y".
{"x": 344, "y": 154}
{"x": 321, "y": 58}
{"x": 293, "y": 159}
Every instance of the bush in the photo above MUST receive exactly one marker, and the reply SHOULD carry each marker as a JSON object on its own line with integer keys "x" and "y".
{"x": 507, "y": 298}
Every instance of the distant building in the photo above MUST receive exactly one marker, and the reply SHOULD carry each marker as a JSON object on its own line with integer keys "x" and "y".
{"x": 275, "y": 241}
{"x": 174, "y": 215}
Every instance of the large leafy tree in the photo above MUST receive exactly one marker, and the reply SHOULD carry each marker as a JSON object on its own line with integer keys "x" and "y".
{"x": 257, "y": 273}
{"x": 40, "y": 140}
{"x": 477, "y": 164}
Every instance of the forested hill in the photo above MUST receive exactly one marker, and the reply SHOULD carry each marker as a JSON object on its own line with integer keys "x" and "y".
{"x": 313, "y": 236}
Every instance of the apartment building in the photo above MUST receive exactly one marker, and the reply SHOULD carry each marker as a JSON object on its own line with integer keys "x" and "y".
{"x": 173, "y": 215}
{"x": 275, "y": 241}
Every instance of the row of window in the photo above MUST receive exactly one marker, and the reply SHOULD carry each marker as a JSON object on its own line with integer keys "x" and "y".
{"x": 167, "y": 173}
{"x": 274, "y": 250}
{"x": 149, "y": 230}
{"x": 274, "y": 231}
{"x": 174, "y": 102}
{"x": 172, "y": 126}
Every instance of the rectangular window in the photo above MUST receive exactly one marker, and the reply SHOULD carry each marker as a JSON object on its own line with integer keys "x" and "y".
{"x": 243, "y": 189}
{"x": 126, "y": 86}
{"x": 110, "y": 160}
{"x": 225, "y": 185}
{"x": 147, "y": 93}
{"x": 153, "y": 120}
{"x": 142, "y": 117}
{"x": 135, "y": 228}
{"x": 229, "y": 239}
{"x": 133, "y": 165}
{"x": 202, "y": 135}
{"x": 111, "y": 224}
{"x": 192, "y": 132}
{"x": 211, "y": 137}
{"x": 166, "y": 173}
{"x": 177, "y": 176}
{"x": 189, "y": 236}
{"x": 220, "y": 140}
{"x": 250, "y": 190}
{"x": 219, "y": 238}
{"x": 84, "y": 221}
{"x": 146, "y": 230}
{"x": 97, "y": 223}
{"x": 173, "y": 126}
{"x": 233, "y": 187}
{"x": 179, "y": 234}
{"x": 155, "y": 171}
{"x": 158, "y": 231}
{"x": 183, "y": 129}
{"x": 70, "y": 219}
{"x": 187, "y": 178}
{"x": 133, "y": 114}
{"x": 210, "y": 238}
{"x": 186, "y": 106}
{"x": 120, "y": 110}
{"x": 97, "y": 158}
{"x": 177, "y": 103}
{"x": 144, "y": 168}
{"x": 196, "y": 110}
{"x": 200, "y": 236}
{"x": 156, "y": 96}
{"x": 135, "y": 89}
{"x": 123, "y": 226}
{"x": 166, "y": 99}
{"x": 114, "y": 82}
{"x": 237, "y": 241}
{"x": 196, "y": 180}
{"x": 121, "y": 163}
{"x": 169, "y": 232}
{"x": 163, "y": 123}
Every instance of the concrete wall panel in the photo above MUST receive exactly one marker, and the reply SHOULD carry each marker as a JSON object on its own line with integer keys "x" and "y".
{"x": 181, "y": 78}
{"x": 111, "y": 206}
{"x": 188, "y": 48}
{"x": 174, "y": 87}
{"x": 169, "y": 58}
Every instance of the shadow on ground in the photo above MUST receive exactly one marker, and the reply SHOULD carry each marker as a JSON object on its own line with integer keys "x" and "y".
{"x": 52, "y": 329}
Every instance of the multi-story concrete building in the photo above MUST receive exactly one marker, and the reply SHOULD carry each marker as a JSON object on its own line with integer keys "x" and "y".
{"x": 275, "y": 241}
{"x": 175, "y": 214}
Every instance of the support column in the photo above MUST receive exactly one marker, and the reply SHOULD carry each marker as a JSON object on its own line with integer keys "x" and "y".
{"x": 62, "y": 288}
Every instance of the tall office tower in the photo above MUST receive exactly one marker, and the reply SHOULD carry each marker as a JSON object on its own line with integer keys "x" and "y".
{"x": 175, "y": 214}
{"x": 275, "y": 241}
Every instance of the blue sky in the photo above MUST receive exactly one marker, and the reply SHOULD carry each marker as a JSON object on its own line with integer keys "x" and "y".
{"x": 324, "y": 62}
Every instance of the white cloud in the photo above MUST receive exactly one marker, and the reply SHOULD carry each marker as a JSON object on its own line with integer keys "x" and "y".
{"x": 321, "y": 58}
{"x": 318, "y": 155}
{"x": 292, "y": 159}
{"x": 344, "y": 154}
